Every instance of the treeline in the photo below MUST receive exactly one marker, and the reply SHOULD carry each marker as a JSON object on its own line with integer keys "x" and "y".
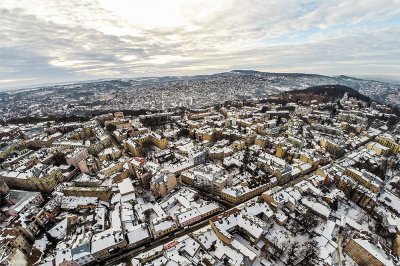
{"x": 33, "y": 119}
{"x": 74, "y": 118}
{"x": 333, "y": 91}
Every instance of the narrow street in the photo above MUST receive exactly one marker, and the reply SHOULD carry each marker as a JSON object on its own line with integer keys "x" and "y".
{"x": 339, "y": 249}
{"x": 114, "y": 142}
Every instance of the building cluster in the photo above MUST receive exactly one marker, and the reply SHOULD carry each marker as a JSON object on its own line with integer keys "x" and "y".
{"x": 162, "y": 93}
{"x": 295, "y": 183}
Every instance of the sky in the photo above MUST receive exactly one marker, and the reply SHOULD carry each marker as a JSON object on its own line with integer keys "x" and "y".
{"x": 50, "y": 41}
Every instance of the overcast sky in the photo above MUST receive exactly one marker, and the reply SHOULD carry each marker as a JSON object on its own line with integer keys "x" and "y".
{"x": 49, "y": 41}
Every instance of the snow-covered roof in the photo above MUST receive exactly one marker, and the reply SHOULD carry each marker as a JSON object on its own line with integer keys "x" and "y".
{"x": 374, "y": 251}
{"x": 106, "y": 239}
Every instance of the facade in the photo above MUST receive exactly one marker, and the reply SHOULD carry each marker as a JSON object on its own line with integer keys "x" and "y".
{"x": 162, "y": 184}
{"x": 75, "y": 157}
{"x": 12, "y": 256}
{"x": 379, "y": 148}
{"x": 133, "y": 147}
{"x": 388, "y": 141}
{"x": 237, "y": 195}
{"x": 3, "y": 187}
{"x": 364, "y": 178}
{"x": 105, "y": 243}
{"x": 332, "y": 147}
{"x": 45, "y": 183}
{"x": 163, "y": 227}
{"x": 103, "y": 193}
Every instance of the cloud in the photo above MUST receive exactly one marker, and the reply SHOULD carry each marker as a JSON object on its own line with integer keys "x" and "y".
{"x": 54, "y": 41}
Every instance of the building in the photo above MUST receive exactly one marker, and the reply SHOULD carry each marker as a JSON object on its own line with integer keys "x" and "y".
{"x": 76, "y": 156}
{"x": 137, "y": 235}
{"x": 109, "y": 154}
{"x": 209, "y": 177}
{"x": 365, "y": 253}
{"x": 133, "y": 147}
{"x": 195, "y": 214}
{"x": 120, "y": 123}
{"x": 37, "y": 180}
{"x": 163, "y": 184}
{"x": 3, "y": 187}
{"x": 81, "y": 249}
{"x": 20, "y": 199}
{"x": 106, "y": 243}
{"x": 389, "y": 141}
{"x": 334, "y": 148}
{"x": 103, "y": 193}
{"x": 365, "y": 178}
{"x": 10, "y": 255}
{"x": 379, "y": 148}
{"x": 239, "y": 193}
{"x": 125, "y": 187}
{"x": 163, "y": 226}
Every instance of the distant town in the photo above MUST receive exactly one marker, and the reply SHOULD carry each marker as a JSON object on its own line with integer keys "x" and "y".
{"x": 248, "y": 176}
{"x": 146, "y": 95}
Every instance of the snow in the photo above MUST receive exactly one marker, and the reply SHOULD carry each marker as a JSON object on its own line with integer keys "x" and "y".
{"x": 235, "y": 258}
{"x": 106, "y": 239}
{"x": 128, "y": 197}
{"x": 374, "y": 251}
{"x": 137, "y": 233}
{"x": 190, "y": 246}
{"x": 204, "y": 208}
{"x": 186, "y": 216}
{"x": 243, "y": 250}
{"x": 390, "y": 200}
{"x": 164, "y": 225}
{"x": 41, "y": 243}
{"x": 317, "y": 207}
{"x": 206, "y": 237}
{"x": 72, "y": 202}
{"x": 126, "y": 187}
{"x": 59, "y": 231}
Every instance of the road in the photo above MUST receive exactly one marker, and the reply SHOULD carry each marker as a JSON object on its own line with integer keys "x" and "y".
{"x": 339, "y": 239}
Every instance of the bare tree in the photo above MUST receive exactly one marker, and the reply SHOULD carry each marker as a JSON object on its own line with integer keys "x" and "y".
{"x": 293, "y": 253}
{"x": 310, "y": 252}
{"x": 309, "y": 221}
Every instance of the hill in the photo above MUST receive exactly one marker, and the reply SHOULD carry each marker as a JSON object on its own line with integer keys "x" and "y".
{"x": 333, "y": 91}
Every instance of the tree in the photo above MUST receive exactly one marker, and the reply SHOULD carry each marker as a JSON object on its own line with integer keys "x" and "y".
{"x": 333, "y": 112}
{"x": 279, "y": 121}
{"x": 59, "y": 159}
{"x": 293, "y": 253}
{"x": 300, "y": 131}
{"x": 111, "y": 127}
{"x": 311, "y": 252}
{"x": 226, "y": 261}
{"x": 334, "y": 205}
{"x": 246, "y": 156}
{"x": 309, "y": 221}
{"x": 340, "y": 106}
